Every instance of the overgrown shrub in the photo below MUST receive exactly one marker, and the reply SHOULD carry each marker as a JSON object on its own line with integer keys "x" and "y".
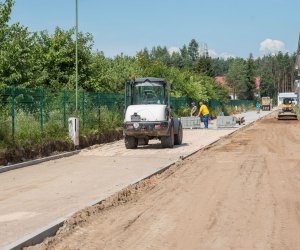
{"x": 29, "y": 132}
{"x": 215, "y": 112}
{"x": 298, "y": 111}
{"x": 183, "y": 111}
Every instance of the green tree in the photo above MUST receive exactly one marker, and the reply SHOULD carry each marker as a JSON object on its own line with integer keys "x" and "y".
{"x": 236, "y": 77}
{"x": 248, "y": 90}
{"x": 186, "y": 62}
{"x": 16, "y": 57}
{"x": 220, "y": 66}
{"x": 193, "y": 50}
{"x": 161, "y": 54}
{"x": 5, "y": 11}
{"x": 57, "y": 60}
{"x": 203, "y": 66}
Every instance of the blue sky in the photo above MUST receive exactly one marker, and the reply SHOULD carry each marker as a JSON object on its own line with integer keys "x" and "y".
{"x": 228, "y": 27}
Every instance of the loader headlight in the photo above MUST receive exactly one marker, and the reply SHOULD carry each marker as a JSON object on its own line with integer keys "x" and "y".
{"x": 136, "y": 125}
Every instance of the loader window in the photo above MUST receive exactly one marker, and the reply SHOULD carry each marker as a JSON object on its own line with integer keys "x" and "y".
{"x": 149, "y": 93}
{"x": 287, "y": 101}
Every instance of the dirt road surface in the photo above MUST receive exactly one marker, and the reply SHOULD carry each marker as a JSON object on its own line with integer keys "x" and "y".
{"x": 242, "y": 193}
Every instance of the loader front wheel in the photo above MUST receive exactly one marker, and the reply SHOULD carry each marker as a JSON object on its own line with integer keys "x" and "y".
{"x": 168, "y": 141}
{"x": 131, "y": 142}
{"x": 178, "y": 137}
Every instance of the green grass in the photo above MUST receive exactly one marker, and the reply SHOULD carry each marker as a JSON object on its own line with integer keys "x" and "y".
{"x": 298, "y": 112}
{"x": 28, "y": 130}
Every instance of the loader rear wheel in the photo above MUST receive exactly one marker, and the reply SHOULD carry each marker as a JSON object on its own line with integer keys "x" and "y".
{"x": 131, "y": 142}
{"x": 168, "y": 141}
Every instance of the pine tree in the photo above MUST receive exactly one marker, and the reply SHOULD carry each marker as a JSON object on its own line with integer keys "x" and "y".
{"x": 249, "y": 90}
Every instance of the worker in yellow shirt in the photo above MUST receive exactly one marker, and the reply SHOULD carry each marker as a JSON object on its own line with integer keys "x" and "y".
{"x": 203, "y": 111}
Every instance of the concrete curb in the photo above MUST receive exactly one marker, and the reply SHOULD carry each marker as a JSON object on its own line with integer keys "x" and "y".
{"x": 52, "y": 228}
{"x": 37, "y": 236}
{"x": 37, "y": 161}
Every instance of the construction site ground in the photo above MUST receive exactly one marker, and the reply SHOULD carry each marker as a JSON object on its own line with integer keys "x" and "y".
{"x": 240, "y": 193}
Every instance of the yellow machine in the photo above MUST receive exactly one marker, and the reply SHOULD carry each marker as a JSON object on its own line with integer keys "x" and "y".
{"x": 266, "y": 103}
{"x": 287, "y": 110}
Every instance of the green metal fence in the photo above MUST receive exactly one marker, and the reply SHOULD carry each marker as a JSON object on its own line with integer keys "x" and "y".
{"x": 239, "y": 103}
{"x": 35, "y": 110}
{"x": 40, "y": 106}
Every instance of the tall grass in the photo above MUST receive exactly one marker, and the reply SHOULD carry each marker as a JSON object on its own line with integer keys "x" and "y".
{"x": 297, "y": 109}
{"x": 28, "y": 129}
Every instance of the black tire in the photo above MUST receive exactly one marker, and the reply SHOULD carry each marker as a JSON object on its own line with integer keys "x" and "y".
{"x": 178, "y": 137}
{"x": 146, "y": 141}
{"x": 168, "y": 141}
{"x": 131, "y": 142}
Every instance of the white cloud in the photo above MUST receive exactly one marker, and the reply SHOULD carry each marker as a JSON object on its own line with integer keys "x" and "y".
{"x": 171, "y": 50}
{"x": 224, "y": 55}
{"x": 227, "y": 55}
{"x": 270, "y": 46}
{"x": 212, "y": 53}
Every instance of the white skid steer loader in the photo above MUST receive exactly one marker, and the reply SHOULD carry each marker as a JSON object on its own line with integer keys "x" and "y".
{"x": 148, "y": 114}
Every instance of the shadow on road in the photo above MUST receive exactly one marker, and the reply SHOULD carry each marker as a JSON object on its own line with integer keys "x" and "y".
{"x": 158, "y": 146}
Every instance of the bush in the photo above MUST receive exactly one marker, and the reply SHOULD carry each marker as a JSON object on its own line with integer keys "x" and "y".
{"x": 53, "y": 128}
{"x": 27, "y": 129}
{"x": 183, "y": 111}
{"x": 297, "y": 109}
{"x": 5, "y": 132}
{"x": 229, "y": 110}
{"x": 28, "y": 132}
{"x": 214, "y": 112}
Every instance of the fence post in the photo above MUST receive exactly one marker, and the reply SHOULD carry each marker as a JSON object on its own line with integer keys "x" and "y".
{"x": 99, "y": 111}
{"x": 65, "y": 111}
{"x": 83, "y": 109}
{"x": 41, "y": 108}
{"x": 13, "y": 90}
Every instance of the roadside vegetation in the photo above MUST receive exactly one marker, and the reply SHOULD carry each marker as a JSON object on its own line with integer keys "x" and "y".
{"x": 298, "y": 112}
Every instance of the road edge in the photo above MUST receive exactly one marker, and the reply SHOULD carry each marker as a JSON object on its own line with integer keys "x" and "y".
{"x": 37, "y": 161}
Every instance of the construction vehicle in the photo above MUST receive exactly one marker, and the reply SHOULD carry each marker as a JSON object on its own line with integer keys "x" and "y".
{"x": 148, "y": 114}
{"x": 283, "y": 95}
{"x": 287, "y": 110}
{"x": 266, "y": 103}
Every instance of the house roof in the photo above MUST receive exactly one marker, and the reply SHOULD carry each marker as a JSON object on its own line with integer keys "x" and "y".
{"x": 220, "y": 79}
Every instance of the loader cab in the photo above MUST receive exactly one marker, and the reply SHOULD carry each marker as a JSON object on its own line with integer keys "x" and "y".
{"x": 145, "y": 91}
{"x": 288, "y": 101}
